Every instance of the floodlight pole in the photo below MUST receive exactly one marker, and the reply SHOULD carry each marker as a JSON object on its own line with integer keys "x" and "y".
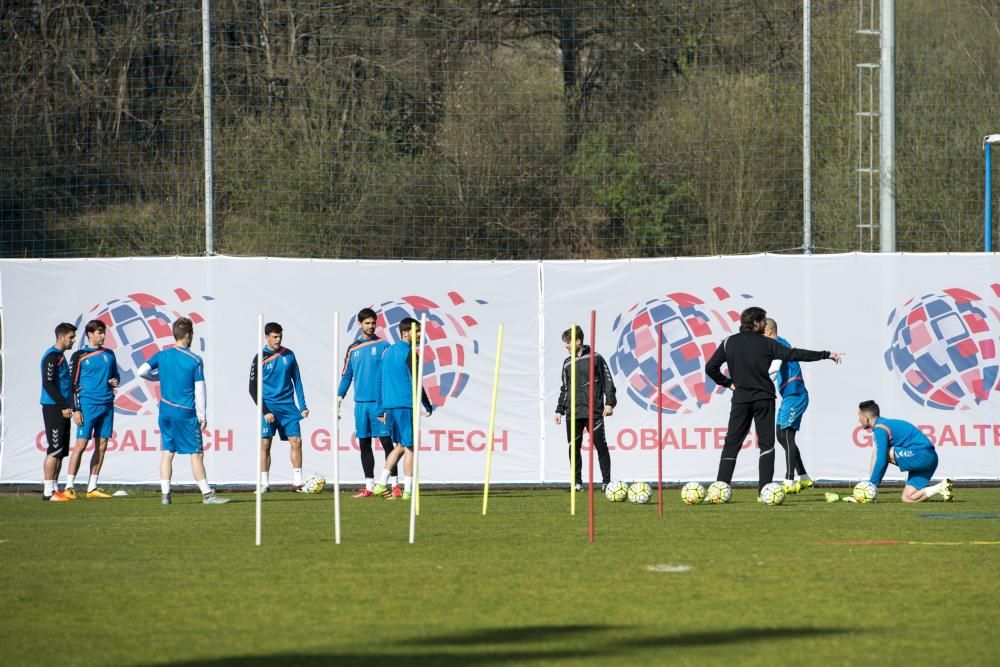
{"x": 206, "y": 66}
{"x": 988, "y": 142}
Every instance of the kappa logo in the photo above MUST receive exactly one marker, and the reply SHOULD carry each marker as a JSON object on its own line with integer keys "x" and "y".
{"x": 693, "y": 327}
{"x": 943, "y": 348}
{"x": 138, "y": 326}
{"x": 450, "y": 338}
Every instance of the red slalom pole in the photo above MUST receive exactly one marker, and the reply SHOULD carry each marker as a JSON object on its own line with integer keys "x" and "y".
{"x": 590, "y": 417}
{"x": 659, "y": 414}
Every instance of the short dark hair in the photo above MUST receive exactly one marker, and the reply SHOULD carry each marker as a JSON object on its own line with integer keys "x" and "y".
{"x": 568, "y": 334}
{"x": 94, "y": 325}
{"x": 751, "y": 318}
{"x": 406, "y": 323}
{"x": 183, "y": 327}
{"x": 869, "y": 408}
{"x": 64, "y": 328}
{"x": 366, "y": 314}
{"x": 272, "y": 327}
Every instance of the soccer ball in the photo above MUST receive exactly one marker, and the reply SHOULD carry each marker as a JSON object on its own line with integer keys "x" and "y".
{"x": 720, "y": 493}
{"x": 692, "y": 493}
{"x": 772, "y": 494}
{"x": 639, "y": 493}
{"x": 315, "y": 484}
{"x": 616, "y": 491}
{"x": 865, "y": 492}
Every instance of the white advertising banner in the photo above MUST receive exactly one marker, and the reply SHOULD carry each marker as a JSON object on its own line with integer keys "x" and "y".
{"x": 138, "y": 299}
{"x": 921, "y": 334}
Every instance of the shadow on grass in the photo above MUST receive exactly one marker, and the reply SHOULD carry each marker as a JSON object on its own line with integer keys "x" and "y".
{"x": 524, "y": 645}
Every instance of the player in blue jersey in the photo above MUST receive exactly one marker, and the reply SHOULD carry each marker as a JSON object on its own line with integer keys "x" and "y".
{"x": 95, "y": 377}
{"x": 56, "y": 401}
{"x": 181, "y": 374}
{"x": 394, "y": 405}
{"x": 284, "y": 402}
{"x": 794, "y": 401}
{"x": 902, "y": 444}
{"x": 362, "y": 365}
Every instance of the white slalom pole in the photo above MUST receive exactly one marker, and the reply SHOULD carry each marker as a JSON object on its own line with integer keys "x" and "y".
{"x": 336, "y": 429}
{"x": 260, "y": 419}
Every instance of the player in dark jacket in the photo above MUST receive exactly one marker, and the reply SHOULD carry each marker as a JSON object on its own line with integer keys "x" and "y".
{"x": 604, "y": 403}
{"x": 57, "y": 408}
{"x": 749, "y": 355}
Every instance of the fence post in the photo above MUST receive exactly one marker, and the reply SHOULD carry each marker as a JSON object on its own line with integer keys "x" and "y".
{"x": 206, "y": 66}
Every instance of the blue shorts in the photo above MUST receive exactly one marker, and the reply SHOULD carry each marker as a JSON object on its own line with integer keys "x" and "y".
{"x": 919, "y": 463}
{"x": 98, "y": 421}
{"x": 180, "y": 431}
{"x": 286, "y": 422}
{"x": 791, "y": 411}
{"x": 400, "y": 423}
{"x": 366, "y": 423}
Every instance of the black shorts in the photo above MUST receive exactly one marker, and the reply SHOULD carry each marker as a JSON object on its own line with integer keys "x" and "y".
{"x": 57, "y": 431}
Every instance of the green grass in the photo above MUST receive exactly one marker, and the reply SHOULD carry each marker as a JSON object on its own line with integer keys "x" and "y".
{"x": 126, "y": 581}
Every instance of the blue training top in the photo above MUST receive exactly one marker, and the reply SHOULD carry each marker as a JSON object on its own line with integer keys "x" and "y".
{"x": 179, "y": 368}
{"x": 362, "y": 364}
{"x": 282, "y": 379}
{"x": 901, "y": 435}
{"x": 57, "y": 385}
{"x": 92, "y": 370}
{"x": 395, "y": 388}
{"x": 790, "y": 381}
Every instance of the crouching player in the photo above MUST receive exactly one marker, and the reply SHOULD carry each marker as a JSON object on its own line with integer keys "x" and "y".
{"x": 902, "y": 444}
{"x": 395, "y": 406}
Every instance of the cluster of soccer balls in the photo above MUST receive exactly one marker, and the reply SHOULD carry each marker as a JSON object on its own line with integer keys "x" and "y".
{"x": 636, "y": 492}
{"x": 718, "y": 493}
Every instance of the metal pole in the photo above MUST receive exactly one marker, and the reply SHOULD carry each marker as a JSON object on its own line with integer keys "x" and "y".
{"x": 887, "y": 128}
{"x": 988, "y": 194}
{"x": 806, "y": 129}
{"x": 206, "y": 66}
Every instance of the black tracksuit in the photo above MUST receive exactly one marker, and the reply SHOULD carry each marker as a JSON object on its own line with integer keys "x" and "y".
{"x": 749, "y": 356}
{"x": 604, "y": 394}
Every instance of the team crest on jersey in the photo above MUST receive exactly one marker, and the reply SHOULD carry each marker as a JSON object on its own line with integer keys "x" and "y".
{"x": 138, "y": 326}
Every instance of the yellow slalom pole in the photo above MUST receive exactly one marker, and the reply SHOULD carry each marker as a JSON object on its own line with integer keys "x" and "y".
{"x": 493, "y": 419}
{"x": 572, "y": 420}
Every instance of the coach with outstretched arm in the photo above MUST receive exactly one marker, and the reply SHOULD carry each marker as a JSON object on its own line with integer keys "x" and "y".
{"x": 749, "y": 355}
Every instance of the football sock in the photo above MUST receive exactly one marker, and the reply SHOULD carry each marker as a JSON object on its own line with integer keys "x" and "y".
{"x": 92, "y": 484}
{"x": 297, "y": 476}
{"x": 387, "y": 447}
{"x": 47, "y": 491}
{"x": 264, "y": 479}
{"x": 393, "y": 480}
{"x": 933, "y": 489}
{"x": 203, "y": 485}
{"x": 367, "y": 458}
{"x": 164, "y": 486}
{"x": 69, "y": 481}
{"x": 370, "y": 483}
{"x": 407, "y": 483}
{"x": 383, "y": 478}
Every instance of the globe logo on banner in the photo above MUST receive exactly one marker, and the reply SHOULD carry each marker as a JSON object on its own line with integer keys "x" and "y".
{"x": 449, "y": 339}
{"x": 944, "y": 348}
{"x": 139, "y": 326}
{"x": 692, "y": 330}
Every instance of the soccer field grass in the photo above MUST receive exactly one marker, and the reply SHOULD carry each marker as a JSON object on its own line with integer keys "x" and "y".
{"x": 127, "y": 581}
